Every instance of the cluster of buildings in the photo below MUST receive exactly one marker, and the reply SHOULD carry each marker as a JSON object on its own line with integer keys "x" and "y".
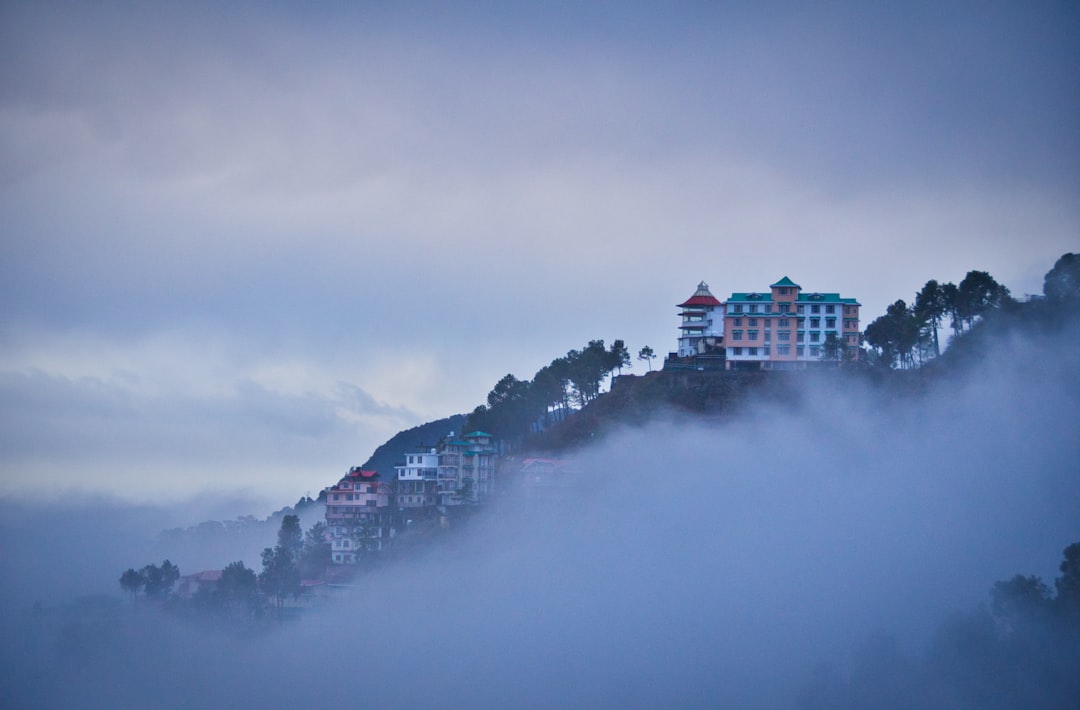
{"x": 779, "y": 329}
{"x": 365, "y": 510}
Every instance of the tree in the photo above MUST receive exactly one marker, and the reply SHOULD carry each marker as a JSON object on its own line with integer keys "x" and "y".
{"x": 646, "y": 354}
{"x": 833, "y": 348}
{"x": 280, "y": 576}
{"x": 1018, "y": 597}
{"x": 977, "y": 294}
{"x": 587, "y": 368}
{"x": 1068, "y": 584}
{"x": 316, "y": 554}
{"x": 620, "y": 355}
{"x": 931, "y": 305}
{"x": 237, "y": 586}
{"x": 131, "y": 581}
{"x": 894, "y": 334}
{"x": 1062, "y": 283}
{"x": 290, "y": 536}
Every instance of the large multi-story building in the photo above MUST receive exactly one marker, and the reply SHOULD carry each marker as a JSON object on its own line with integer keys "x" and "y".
{"x": 785, "y": 328}
{"x": 416, "y": 482}
{"x": 702, "y": 326}
{"x": 466, "y": 472}
{"x": 359, "y": 517}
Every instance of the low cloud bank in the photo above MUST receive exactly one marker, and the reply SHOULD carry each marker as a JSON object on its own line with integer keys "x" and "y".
{"x": 695, "y": 566}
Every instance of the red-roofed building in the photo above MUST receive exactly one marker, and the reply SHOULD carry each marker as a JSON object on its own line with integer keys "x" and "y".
{"x": 702, "y": 326}
{"x": 359, "y": 515}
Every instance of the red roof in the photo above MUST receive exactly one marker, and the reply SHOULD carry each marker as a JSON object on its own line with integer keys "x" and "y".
{"x": 702, "y": 297}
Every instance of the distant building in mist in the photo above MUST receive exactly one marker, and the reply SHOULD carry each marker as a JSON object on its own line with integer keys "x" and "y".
{"x": 364, "y": 512}
{"x": 784, "y": 328}
{"x": 359, "y": 515}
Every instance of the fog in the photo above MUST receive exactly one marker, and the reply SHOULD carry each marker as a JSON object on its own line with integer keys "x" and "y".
{"x": 710, "y": 565}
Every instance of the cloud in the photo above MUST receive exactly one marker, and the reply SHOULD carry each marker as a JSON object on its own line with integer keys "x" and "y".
{"x": 695, "y": 565}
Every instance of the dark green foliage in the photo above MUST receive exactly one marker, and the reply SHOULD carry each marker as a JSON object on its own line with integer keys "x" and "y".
{"x": 237, "y": 589}
{"x": 316, "y": 553}
{"x": 977, "y": 294}
{"x": 156, "y": 582}
{"x": 131, "y": 581}
{"x": 1062, "y": 283}
{"x": 895, "y": 335}
{"x": 646, "y": 354}
{"x": 392, "y": 453}
{"x": 1023, "y": 652}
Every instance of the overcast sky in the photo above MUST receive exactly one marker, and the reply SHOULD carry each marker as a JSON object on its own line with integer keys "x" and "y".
{"x": 243, "y": 245}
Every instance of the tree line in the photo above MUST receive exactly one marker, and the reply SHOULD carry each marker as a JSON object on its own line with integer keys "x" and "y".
{"x": 239, "y": 590}
{"x": 907, "y": 335}
{"x": 569, "y": 382}
{"x": 1020, "y": 650}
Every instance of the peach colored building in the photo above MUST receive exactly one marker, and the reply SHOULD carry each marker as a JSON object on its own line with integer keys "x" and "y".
{"x": 785, "y": 328}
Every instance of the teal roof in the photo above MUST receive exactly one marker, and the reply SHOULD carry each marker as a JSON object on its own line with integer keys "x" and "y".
{"x": 758, "y": 297}
{"x": 478, "y": 433}
{"x": 785, "y": 282}
{"x": 824, "y": 298}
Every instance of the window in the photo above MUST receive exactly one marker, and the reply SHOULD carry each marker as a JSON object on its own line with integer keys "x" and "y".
{"x": 737, "y": 308}
{"x": 337, "y": 496}
{"x": 783, "y": 349}
{"x": 800, "y": 337}
{"x": 751, "y": 335}
{"x": 784, "y": 322}
{"x": 783, "y": 335}
{"x": 785, "y": 307}
{"x": 753, "y": 308}
{"x": 800, "y": 350}
{"x": 815, "y": 322}
{"x": 815, "y": 351}
{"x": 815, "y": 308}
{"x": 830, "y": 309}
{"x": 830, "y": 322}
{"x": 753, "y": 322}
{"x": 737, "y": 322}
{"x": 815, "y": 337}
{"x": 801, "y": 310}
{"x": 751, "y": 351}
{"x": 736, "y": 335}
{"x": 736, "y": 351}
{"x": 767, "y": 308}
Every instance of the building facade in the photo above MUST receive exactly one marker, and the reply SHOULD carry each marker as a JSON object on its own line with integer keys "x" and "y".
{"x": 702, "y": 326}
{"x": 416, "y": 482}
{"x": 466, "y": 469}
{"x": 785, "y": 328}
{"x": 359, "y": 515}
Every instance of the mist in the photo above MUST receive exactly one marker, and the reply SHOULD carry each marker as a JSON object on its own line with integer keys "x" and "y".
{"x": 706, "y": 565}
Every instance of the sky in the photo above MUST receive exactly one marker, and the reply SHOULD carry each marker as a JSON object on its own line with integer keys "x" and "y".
{"x": 244, "y": 245}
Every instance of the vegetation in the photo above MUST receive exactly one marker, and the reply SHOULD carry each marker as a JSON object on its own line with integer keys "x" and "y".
{"x": 1022, "y": 651}
{"x": 515, "y": 408}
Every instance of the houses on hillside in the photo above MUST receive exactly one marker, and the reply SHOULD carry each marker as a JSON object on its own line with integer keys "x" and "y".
{"x": 780, "y": 329}
{"x": 365, "y": 511}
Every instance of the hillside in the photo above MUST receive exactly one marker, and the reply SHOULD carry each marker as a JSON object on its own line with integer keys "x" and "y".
{"x": 419, "y": 438}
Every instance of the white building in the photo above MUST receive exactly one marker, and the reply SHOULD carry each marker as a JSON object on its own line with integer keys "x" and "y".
{"x": 416, "y": 482}
{"x": 702, "y": 326}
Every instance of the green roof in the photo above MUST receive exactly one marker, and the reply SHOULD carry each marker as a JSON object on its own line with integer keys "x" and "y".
{"x": 757, "y": 297}
{"x": 785, "y": 282}
{"x": 478, "y": 433}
